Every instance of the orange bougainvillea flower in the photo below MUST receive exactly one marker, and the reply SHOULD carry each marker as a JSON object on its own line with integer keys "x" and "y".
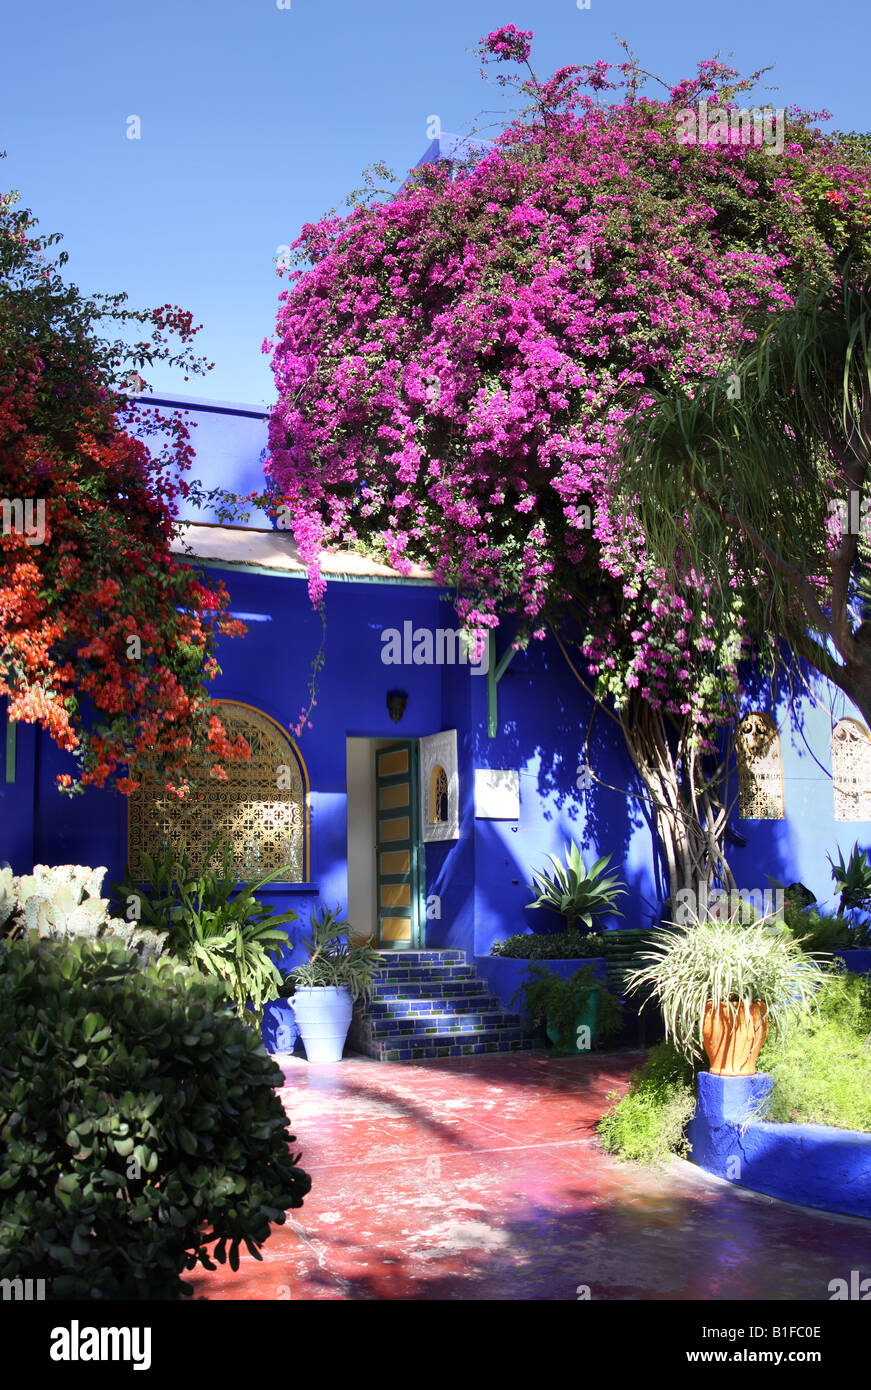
{"x": 106, "y": 641}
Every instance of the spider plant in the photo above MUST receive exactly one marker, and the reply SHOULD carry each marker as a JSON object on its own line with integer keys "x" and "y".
{"x": 332, "y": 961}
{"x": 575, "y": 892}
{"x": 724, "y": 962}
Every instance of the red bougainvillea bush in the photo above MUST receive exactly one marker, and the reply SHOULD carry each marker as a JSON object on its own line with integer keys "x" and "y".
{"x": 455, "y": 365}
{"x": 106, "y": 642}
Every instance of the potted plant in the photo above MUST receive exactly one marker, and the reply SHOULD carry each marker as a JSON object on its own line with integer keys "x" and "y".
{"x": 327, "y": 984}
{"x": 567, "y": 1005}
{"x": 722, "y": 984}
{"x": 578, "y": 894}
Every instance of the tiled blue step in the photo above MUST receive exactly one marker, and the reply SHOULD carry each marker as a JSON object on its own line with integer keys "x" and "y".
{"x": 422, "y": 957}
{"x": 402, "y": 974}
{"x": 417, "y": 1048}
{"x": 432, "y": 1004}
{"x": 429, "y": 989}
{"x": 439, "y": 1023}
{"x": 459, "y": 1003}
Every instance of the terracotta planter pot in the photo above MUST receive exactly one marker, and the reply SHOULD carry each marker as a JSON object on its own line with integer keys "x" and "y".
{"x": 734, "y": 1043}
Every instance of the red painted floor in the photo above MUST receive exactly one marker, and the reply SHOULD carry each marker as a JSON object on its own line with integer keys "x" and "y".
{"x": 482, "y": 1178}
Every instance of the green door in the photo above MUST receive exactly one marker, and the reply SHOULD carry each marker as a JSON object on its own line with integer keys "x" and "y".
{"x": 398, "y": 850}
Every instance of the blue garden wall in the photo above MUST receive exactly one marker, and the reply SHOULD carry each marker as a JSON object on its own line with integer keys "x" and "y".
{"x": 812, "y": 1165}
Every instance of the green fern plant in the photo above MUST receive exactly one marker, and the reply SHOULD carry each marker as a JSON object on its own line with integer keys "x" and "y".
{"x": 215, "y": 924}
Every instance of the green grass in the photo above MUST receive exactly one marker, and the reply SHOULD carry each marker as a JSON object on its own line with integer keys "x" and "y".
{"x": 821, "y": 1070}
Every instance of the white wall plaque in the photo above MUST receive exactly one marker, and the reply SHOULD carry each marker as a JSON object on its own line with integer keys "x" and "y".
{"x": 439, "y": 787}
{"x": 497, "y": 793}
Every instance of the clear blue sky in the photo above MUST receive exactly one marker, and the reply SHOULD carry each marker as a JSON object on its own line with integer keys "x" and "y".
{"x": 257, "y": 119}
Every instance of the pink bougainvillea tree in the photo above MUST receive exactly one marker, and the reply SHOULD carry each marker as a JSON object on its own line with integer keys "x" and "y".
{"x": 456, "y": 367}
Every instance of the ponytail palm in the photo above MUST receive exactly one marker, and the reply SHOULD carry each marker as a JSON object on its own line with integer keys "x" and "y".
{"x": 755, "y": 481}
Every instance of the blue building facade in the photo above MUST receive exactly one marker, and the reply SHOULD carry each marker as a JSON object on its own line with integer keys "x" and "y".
{"x": 493, "y": 769}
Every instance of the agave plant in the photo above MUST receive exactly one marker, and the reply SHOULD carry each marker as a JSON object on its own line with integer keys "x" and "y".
{"x": 575, "y": 892}
{"x": 332, "y": 961}
{"x": 853, "y": 879}
{"x": 729, "y": 962}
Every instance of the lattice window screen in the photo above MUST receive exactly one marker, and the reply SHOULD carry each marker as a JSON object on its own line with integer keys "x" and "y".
{"x": 261, "y": 808}
{"x": 438, "y": 795}
{"x": 851, "y": 770}
{"x": 760, "y": 769}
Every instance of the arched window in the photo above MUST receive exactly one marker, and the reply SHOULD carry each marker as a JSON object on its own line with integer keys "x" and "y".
{"x": 760, "y": 770}
{"x": 851, "y": 770}
{"x": 438, "y": 796}
{"x": 262, "y": 808}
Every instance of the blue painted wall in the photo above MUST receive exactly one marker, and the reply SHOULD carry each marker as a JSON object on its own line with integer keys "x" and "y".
{"x": 543, "y": 718}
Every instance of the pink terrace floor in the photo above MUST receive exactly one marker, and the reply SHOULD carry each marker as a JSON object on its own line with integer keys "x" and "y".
{"x": 482, "y": 1178}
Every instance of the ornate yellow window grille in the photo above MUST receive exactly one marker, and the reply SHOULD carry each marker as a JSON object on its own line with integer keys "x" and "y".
{"x": 438, "y": 795}
{"x": 262, "y": 808}
{"x": 760, "y": 769}
{"x": 851, "y": 770}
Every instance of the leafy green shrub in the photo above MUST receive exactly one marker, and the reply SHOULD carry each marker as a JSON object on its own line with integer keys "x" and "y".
{"x": 140, "y": 1129}
{"x": 215, "y": 924}
{"x": 819, "y": 932}
{"x": 547, "y": 996}
{"x": 332, "y": 961}
{"x": 575, "y": 892}
{"x": 822, "y": 1069}
{"x": 648, "y": 1124}
{"x": 558, "y": 945}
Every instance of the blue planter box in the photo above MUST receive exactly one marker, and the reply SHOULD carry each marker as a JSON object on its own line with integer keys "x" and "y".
{"x": 279, "y": 1031}
{"x": 504, "y": 974}
{"x": 813, "y": 1165}
{"x": 858, "y": 962}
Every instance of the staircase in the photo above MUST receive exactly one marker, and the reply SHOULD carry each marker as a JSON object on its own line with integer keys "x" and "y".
{"x": 432, "y": 1004}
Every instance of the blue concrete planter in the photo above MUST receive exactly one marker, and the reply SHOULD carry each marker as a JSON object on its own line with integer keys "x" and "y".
{"x": 813, "y": 1165}
{"x": 504, "y": 974}
{"x": 858, "y": 962}
{"x": 279, "y": 1031}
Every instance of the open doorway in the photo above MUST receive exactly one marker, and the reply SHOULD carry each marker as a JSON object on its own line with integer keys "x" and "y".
{"x": 386, "y": 894}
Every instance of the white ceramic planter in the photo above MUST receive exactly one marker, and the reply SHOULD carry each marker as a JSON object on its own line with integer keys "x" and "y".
{"x": 323, "y": 1014}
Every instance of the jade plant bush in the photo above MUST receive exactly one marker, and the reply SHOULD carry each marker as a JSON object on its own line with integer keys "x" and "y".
{"x": 563, "y": 945}
{"x": 140, "y": 1129}
{"x": 575, "y": 892}
{"x": 728, "y": 961}
{"x": 214, "y": 923}
{"x": 456, "y": 365}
